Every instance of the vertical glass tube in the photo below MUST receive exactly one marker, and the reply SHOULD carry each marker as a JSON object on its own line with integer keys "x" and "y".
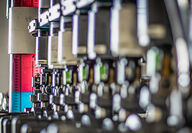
{"x": 22, "y": 69}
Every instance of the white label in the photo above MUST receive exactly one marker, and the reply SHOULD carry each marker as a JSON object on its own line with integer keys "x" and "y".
{"x": 68, "y": 7}
{"x": 83, "y": 3}
{"x": 44, "y": 18}
{"x": 54, "y": 12}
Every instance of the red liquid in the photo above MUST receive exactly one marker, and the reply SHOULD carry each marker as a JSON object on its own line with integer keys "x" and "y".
{"x": 24, "y": 69}
{"x": 26, "y": 3}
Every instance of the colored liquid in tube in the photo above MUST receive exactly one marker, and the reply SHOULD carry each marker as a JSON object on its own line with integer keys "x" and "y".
{"x": 26, "y": 3}
{"x": 22, "y": 69}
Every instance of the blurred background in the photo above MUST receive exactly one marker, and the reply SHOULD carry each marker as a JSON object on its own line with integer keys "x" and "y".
{"x": 4, "y": 57}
